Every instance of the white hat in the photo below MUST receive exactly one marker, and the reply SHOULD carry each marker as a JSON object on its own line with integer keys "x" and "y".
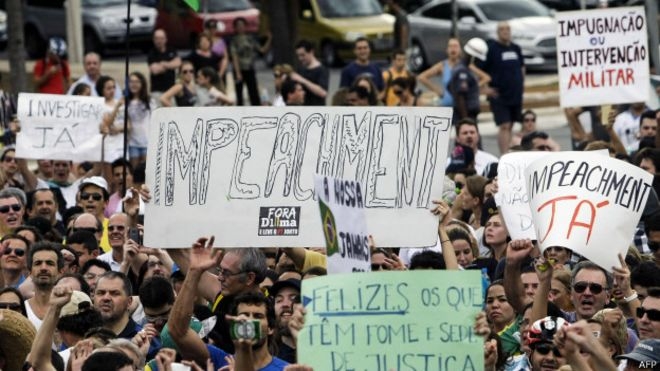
{"x": 78, "y": 303}
{"x": 57, "y": 46}
{"x": 477, "y": 47}
{"x": 95, "y": 180}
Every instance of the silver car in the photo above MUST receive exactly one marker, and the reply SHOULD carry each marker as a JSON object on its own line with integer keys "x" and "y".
{"x": 533, "y": 27}
{"x": 104, "y": 24}
{"x": 3, "y": 30}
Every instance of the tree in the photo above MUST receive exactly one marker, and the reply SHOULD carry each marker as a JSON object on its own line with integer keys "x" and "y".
{"x": 15, "y": 46}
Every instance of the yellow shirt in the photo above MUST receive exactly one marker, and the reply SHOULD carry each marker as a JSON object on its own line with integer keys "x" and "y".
{"x": 314, "y": 259}
{"x": 105, "y": 241}
{"x": 390, "y": 75}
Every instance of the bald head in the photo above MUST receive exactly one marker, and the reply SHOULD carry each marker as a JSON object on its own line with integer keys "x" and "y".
{"x": 504, "y": 32}
{"x": 160, "y": 39}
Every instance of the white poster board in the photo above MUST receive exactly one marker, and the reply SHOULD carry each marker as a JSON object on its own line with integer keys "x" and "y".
{"x": 237, "y": 171}
{"x": 602, "y": 56}
{"x": 344, "y": 224}
{"x": 511, "y": 196}
{"x": 59, "y": 127}
{"x": 588, "y": 203}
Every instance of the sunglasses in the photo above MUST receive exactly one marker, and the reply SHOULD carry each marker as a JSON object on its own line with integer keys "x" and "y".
{"x": 94, "y": 196}
{"x": 652, "y": 314}
{"x": 594, "y": 288}
{"x": 545, "y": 349}
{"x": 118, "y": 228}
{"x": 376, "y": 267}
{"x": 187, "y": 71}
{"x": 18, "y": 252}
{"x": 397, "y": 92}
{"x": 15, "y": 208}
{"x": 10, "y": 306}
{"x": 9, "y": 159}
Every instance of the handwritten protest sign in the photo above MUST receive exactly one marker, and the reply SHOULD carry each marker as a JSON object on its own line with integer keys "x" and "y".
{"x": 416, "y": 320}
{"x": 344, "y": 225}
{"x": 587, "y": 202}
{"x": 511, "y": 196}
{"x": 602, "y": 56}
{"x": 247, "y": 174}
{"x": 59, "y": 127}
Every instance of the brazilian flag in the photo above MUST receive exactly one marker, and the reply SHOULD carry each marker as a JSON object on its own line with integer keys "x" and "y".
{"x": 329, "y": 229}
{"x": 193, "y": 4}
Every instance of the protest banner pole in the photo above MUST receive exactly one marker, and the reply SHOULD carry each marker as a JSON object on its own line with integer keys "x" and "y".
{"x": 126, "y": 91}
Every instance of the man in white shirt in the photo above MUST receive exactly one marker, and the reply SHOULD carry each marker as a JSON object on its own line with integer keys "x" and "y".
{"x": 626, "y": 126}
{"x": 467, "y": 134}
{"x": 92, "y": 64}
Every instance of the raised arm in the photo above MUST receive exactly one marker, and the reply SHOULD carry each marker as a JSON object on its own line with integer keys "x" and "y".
{"x": 190, "y": 345}
{"x": 516, "y": 252}
{"x": 39, "y": 355}
{"x": 448, "y": 253}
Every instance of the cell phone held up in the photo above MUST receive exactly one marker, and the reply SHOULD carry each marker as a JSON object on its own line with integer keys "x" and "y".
{"x": 134, "y": 234}
{"x": 246, "y": 330}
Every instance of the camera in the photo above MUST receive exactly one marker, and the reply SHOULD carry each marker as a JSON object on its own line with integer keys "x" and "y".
{"x": 248, "y": 330}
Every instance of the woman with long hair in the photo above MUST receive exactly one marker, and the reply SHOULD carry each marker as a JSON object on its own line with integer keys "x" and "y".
{"x": 184, "y": 92}
{"x": 113, "y": 119}
{"x": 207, "y": 92}
{"x": 139, "y": 113}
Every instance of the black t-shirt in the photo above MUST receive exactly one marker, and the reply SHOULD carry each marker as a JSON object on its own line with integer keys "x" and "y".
{"x": 504, "y": 65}
{"x": 163, "y": 81}
{"x": 319, "y": 76}
{"x": 199, "y": 61}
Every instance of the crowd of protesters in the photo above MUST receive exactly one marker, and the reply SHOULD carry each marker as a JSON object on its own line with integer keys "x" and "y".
{"x": 80, "y": 291}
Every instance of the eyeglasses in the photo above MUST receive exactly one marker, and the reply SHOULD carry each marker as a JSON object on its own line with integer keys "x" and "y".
{"x": 9, "y": 159}
{"x": 187, "y": 71}
{"x": 15, "y": 208}
{"x": 157, "y": 320}
{"x": 652, "y": 314}
{"x": 18, "y": 252}
{"x": 226, "y": 273}
{"x": 544, "y": 349}
{"x": 594, "y": 288}
{"x": 11, "y": 306}
{"x": 118, "y": 228}
{"x": 94, "y": 196}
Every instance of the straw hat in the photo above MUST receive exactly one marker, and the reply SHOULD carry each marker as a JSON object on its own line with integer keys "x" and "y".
{"x": 16, "y": 336}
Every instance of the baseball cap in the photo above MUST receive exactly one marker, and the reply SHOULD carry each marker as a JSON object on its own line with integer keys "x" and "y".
{"x": 462, "y": 158}
{"x": 646, "y": 351}
{"x": 78, "y": 303}
{"x": 95, "y": 180}
{"x": 279, "y": 285}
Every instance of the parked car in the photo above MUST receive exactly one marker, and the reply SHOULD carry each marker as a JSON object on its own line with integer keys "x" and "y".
{"x": 182, "y": 24}
{"x": 334, "y": 25}
{"x": 532, "y": 27}
{"x": 3, "y": 30}
{"x": 104, "y": 24}
{"x": 562, "y": 5}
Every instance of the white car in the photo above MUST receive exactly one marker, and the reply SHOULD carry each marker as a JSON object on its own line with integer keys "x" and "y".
{"x": 3, "y": 30}
{"x": 533, "y": 27}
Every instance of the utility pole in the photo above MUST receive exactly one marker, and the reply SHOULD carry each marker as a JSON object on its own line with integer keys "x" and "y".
{"x": 652, "y": 27}
{"x": 16, "y": 46}
{"x": 74, "y": 31}
{"x": 454, "y": 19}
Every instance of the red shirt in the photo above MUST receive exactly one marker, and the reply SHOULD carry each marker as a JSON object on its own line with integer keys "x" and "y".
{"x": 56, "y": 84}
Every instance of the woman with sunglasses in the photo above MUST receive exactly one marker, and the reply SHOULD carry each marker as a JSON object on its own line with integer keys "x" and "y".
{"x": 185, "y": 91}
{"x": 13, "y": 261}
{"x": 404, "y": 89}
{"x": 11, "y": 298}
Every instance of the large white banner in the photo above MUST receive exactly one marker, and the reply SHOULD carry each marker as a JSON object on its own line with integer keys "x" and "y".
{"x": 602, "y": 56}
{"x": 246, "y": 174}
{"x": 344, "y": 224}
{"x": 59, "y": 127}
{"x": 587, "y": 203}
{"x": 511, "y": 196}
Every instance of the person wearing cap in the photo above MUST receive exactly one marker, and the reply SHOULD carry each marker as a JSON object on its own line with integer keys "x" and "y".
{"x": 16, "y": 337}
{"x": 93, "y": 198}
{"x": 544, "y": 354}
{"x": 286, "y": 294}
{"x": 51, "y": 74}
{"x": 467, "y": 79}
{"x": 645, "y": 356}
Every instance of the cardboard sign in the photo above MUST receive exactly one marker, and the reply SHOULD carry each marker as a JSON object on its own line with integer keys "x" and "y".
{"x": 381, "y": 321}
{"x": 511, "y": 196}
{"x": 588, "y": 203}
{"x": 237, "y": 172}
{"x": 344, "y": 225}
{"x": 602, "y": 56}
{"x": 59, "y": 127}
